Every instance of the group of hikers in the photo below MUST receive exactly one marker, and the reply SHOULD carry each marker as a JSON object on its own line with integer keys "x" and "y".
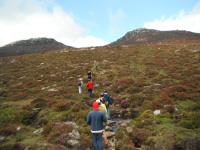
{"x": 90, "y": 84}
{"x": 98, "y": 117}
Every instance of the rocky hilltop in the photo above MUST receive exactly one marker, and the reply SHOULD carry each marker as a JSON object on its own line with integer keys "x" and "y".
{"x": 33, "y": 45}
{"x": 149, "y": 36}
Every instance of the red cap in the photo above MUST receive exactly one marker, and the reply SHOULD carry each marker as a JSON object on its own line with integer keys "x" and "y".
{"x": 95, "y": 106}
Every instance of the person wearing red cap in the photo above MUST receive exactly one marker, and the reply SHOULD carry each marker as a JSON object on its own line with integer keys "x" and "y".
{"x": 95, "y": 119}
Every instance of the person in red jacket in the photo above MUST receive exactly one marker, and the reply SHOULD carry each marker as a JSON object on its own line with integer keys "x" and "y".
{"x": 90, "y": 85}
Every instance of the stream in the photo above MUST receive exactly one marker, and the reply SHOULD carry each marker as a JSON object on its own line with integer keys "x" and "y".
{"x": 117, "y": 122}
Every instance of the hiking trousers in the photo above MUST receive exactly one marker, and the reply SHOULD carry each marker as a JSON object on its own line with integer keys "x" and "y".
{"x": 79, "y": 89}
{"x": 90, "y": 92}
{"x": 97, "y": 141}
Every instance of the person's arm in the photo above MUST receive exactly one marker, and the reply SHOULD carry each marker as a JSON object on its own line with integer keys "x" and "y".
{"x": 104, "y": 118}
{"x": 88, "y": 120}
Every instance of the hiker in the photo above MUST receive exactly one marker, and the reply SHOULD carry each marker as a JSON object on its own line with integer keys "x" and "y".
{"x": 107, "y": 96}
{"x": 90, "y": 85}
{"x": 95, "y": 119}
{"x": 102, "y": 107}
{"x": 80, "y": 84}
{"x": 89, "y": 75}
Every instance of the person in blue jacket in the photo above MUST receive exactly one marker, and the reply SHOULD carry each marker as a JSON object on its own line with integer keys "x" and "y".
{"x": 107, "y": 96}
{"x": 96, "y": 120}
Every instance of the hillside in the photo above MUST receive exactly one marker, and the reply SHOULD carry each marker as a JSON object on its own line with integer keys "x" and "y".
{"x": 40, "y": 107}
{"x": 33, "y": 45}
{"x": 149, "y": 36}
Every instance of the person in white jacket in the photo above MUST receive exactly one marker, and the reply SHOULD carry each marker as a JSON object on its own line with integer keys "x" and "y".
{"x": 80, "y": 84}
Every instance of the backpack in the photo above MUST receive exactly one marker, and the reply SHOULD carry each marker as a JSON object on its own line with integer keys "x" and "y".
{"x": 79, "y": 83}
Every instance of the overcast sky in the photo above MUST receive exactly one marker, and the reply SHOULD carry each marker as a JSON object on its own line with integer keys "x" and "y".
{"x": 83, "y": 23}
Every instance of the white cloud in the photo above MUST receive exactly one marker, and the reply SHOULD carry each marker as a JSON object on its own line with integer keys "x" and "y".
{"x": 182, "y": 21}
{"x": 24, "y": 19}
{"x": 84, "y": 42}
{"x": 116, "y": 21}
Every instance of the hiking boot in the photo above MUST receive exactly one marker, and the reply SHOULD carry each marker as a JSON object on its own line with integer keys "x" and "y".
{"x": 106, "y": 146}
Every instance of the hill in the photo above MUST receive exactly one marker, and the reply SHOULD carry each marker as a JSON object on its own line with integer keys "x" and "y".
{"x": 149, "y": 36}
{"x": 33, "y": 45}
{"x": 40, "y": 107}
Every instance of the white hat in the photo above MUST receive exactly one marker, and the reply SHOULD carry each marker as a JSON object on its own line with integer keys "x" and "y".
{"x": 98, "y": 101}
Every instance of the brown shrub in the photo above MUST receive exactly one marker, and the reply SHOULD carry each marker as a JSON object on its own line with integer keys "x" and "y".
{"x": 52, "y": 103}
{"x": 19, "y": 96}
{"x": 62, "y": 106}
{"x": 39, "y": 102}
{"x": 15, "y": 146}
{"x": 139, "y": 135}
{"x": 28, "y": 116}
{"x": 165, "y": 99}
{"x": 132, "y": 90}
{"x": 60, "y": 134}
{"x": 125, "y": 104}
{"x": 124, "y": 74}
{"x": 126, "y": 82}
{"x": 151, "y": 74}
{"x": 6, "y": 131}
{"x": 142, "y": 81}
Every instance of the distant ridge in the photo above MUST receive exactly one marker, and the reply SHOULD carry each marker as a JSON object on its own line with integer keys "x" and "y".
{"x": 148, "y": 36}
{"x": 33, "y": 45}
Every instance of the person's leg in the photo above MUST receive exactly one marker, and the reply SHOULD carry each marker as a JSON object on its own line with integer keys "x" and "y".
{"x": 105, "y": 137}
{"x": 79, "y": 89}
{"x": 95, "y": 141}
{"x": 90, "y": 92}
{"x": 108, "y": 111}
{"x": 100, "y": 141}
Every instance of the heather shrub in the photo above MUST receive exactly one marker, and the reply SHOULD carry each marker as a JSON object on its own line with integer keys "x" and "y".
{"x": 124, "y": 74}
{"x": 169, "y": 108}
{"x": 19, "y": 96}
{"x": 39, "y": 102}
{"x": 118, "y": 100}
{"x": 28, "y": 116}
{"x": 125, "y": 104}
{"x": 179, "y": 92}
{"x": 133, "y": 90}
{"x": 141, "y": 81}
{"x": 139, "y": 135}
{"x": 62, "y": 106}
{"x": 156, "y": 104}
{"x": 151, "y": 74}
{"x": 111, "y": 77}
{"x": 147, "y": 105}
{"x": 52, "y": 103}
{"x": 6, "y": 131}
{"x": 126, "y": 82}
{"x": 15, "y": 146}
{"x": 60, "y": 134}
{"x": 47, "y": 128}
{"x": 57, "y": 147}
{"x": 121, "y": 133}
{"x": 165, "y": 99}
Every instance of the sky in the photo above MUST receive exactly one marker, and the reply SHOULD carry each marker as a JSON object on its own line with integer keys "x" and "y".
{"x": 87, "y": 23}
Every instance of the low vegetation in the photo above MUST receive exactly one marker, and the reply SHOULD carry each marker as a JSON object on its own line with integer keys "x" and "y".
{"x": 40, "y": 90}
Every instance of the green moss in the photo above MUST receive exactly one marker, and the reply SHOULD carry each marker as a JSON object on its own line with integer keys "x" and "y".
{"x": 187, "y": 105}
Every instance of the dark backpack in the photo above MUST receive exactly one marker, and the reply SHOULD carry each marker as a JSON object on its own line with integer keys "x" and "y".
{"x": 79, "y": 83}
